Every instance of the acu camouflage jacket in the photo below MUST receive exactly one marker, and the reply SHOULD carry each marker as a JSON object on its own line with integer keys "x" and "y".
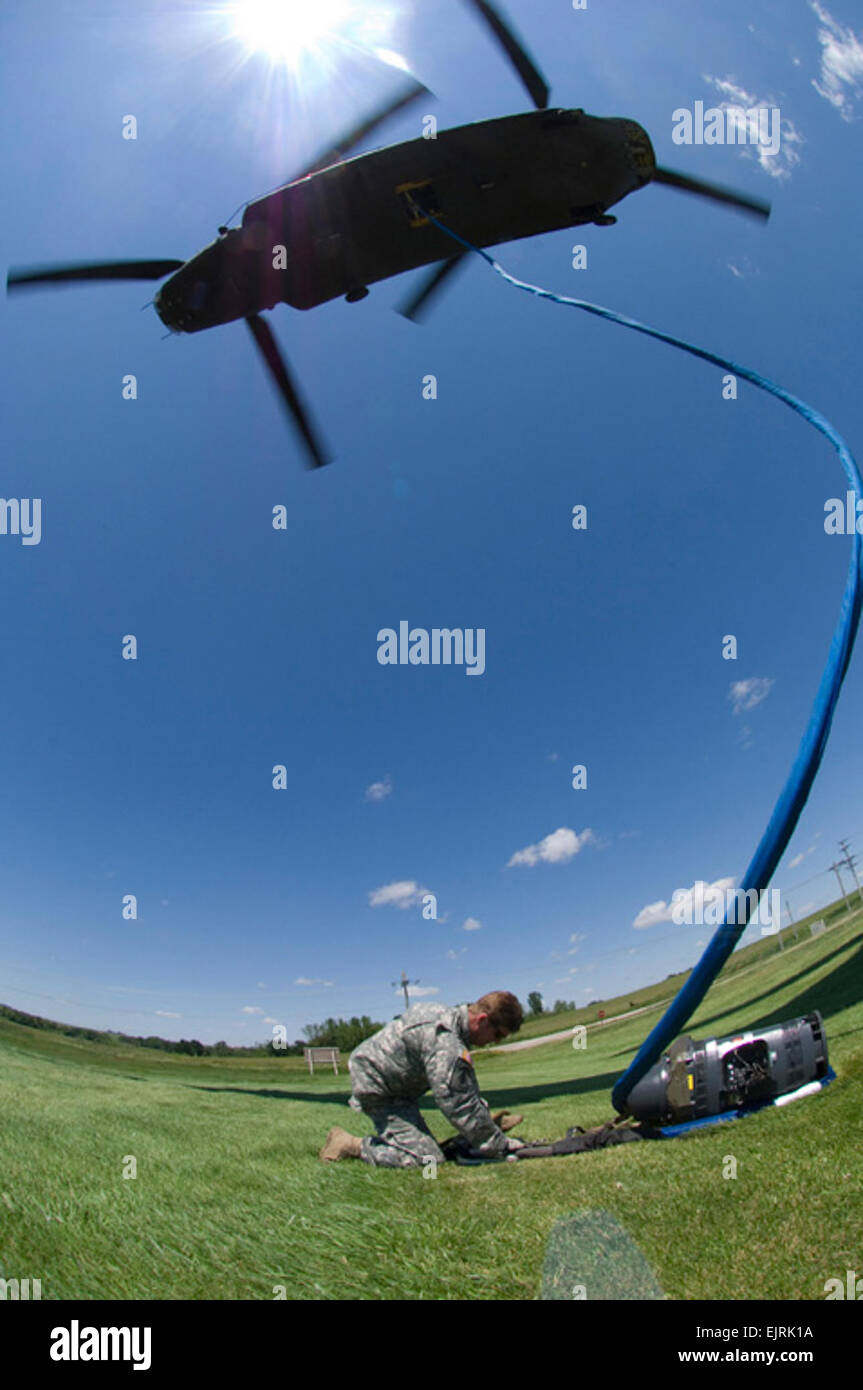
{"x": 427, "y": 1049}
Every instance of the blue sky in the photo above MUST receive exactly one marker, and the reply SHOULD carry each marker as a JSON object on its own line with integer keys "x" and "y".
{"x": 258, "y": 647}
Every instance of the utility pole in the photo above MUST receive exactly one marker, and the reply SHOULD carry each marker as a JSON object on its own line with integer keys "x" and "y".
{"x": 835, "y": 868}
{"x": 792, "y": 921}
{"x": 851, "y": 859}
{"x": 404, "y": 982}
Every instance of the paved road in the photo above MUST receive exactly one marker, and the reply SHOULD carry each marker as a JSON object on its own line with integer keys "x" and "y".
{"x": 633, "y": 1013}
{"x": 567, "y": 1032}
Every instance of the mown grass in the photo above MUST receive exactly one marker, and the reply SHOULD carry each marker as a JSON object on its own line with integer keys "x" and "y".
{"x": 657, "y": 995}
{"x": 230, "y": 1200}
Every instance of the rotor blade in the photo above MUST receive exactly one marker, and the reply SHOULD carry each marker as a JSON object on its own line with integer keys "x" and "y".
{"x": 266, "y": 343}
{"x": 351, "y": 138}
{"x": 756, "y": 206}
{"x": 515, "y": 51}
{"x": 417, "y": 305}
{"x": 108, "y": 270}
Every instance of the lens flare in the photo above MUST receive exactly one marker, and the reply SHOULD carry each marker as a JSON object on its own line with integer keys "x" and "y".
{"x": 287, "y": 30}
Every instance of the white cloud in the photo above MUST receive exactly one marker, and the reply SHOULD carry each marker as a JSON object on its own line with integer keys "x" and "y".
{"x": 471, "y": 924}
{"x": 654, "y": 912}
{"x": 251, "y": 1009}
{"x": 661, "y": 911}
{"x": 841, "y": 62}
{"x": 272, "y": 1020}
{"x": 379, "y": 790}
{"x": 558, "y": 847}
{"x": 745, "y": 270}
{"x": 798, "y": 858}
{"x": 418, "y": 991}
{"x": 454, "y": 955}
{"x": 166, "y": 1013}
{"x": 777, "y": 163}
{"x": 749, "y": 693}
{"x": 405, "y": 893}
{"x": 301, "y": 980}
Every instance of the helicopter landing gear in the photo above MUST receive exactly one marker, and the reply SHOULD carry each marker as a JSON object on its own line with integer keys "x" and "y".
{"x": 606, "y": 220}
{"x": 354, "y": 296}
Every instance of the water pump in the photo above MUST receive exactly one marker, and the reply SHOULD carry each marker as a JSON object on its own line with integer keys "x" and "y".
{"x": 749, "y": 1068}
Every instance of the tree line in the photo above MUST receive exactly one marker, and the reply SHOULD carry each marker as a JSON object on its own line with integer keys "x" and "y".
{"x": 343, "y": 1033}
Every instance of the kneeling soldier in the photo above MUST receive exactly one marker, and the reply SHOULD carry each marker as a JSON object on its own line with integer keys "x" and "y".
{"x": 426, "y": 1049}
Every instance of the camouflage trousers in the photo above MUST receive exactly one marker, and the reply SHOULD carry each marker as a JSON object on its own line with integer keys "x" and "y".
{"x": 403, "y": 1139}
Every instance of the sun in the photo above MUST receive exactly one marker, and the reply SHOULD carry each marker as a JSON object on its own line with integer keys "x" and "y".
{"x": 286, "y": 31}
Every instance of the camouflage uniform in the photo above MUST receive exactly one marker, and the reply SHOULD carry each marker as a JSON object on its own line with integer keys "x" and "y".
{"x": 425, "y": 1049}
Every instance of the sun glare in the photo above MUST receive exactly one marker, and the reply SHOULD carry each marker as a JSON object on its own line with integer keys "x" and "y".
{"x": 287, "y": 30}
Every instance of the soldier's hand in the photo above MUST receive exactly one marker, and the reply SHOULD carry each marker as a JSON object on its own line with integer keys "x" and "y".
{"x": 504, "y": 1120}
{"x": 513, "y": 1144}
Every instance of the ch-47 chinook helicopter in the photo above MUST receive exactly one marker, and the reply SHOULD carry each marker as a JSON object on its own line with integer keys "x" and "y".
{"x": 344, "y": 224}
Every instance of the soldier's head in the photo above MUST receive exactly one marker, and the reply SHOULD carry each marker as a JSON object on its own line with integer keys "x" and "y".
{"x": 493, "y": 1017}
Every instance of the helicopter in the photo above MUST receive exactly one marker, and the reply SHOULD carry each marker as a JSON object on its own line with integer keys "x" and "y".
{"x": 343, "y": 224}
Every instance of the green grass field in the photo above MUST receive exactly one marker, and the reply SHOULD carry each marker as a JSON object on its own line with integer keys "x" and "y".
{"x": 230, "y": 1200}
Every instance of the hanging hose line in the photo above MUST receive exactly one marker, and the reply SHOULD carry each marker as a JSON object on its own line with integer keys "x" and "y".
{"x": 792, "y": 798}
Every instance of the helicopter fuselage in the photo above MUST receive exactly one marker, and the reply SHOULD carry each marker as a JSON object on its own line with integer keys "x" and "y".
{"x": 348, "y": 226}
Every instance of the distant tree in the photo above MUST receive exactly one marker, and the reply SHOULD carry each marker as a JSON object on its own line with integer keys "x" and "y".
{"x": 345, "y": 1034}
{"x": 534, "y": 1003}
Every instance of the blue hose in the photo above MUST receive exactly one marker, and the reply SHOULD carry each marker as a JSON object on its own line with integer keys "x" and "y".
{"x": 792, "y": 799}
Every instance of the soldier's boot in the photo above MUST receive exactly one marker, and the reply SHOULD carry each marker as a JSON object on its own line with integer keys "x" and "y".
{"x": 340, "y": 1144}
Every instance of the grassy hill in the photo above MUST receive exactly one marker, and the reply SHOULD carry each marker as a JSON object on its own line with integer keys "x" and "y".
{"x": 230, "y": 1200}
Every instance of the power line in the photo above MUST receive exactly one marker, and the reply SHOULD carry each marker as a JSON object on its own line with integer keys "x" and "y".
{"x": 851, "y": 860}
{"x": 404, "y": 982}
